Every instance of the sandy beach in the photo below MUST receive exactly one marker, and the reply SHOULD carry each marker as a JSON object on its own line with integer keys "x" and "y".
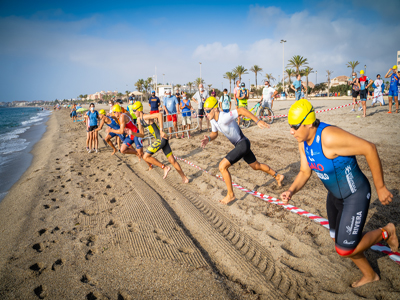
{"x": 81, "y": 225}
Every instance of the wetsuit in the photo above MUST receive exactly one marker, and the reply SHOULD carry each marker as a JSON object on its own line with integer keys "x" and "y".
{"x": 349, "y": 193}
{"x": 363, "y": 80}
{"x": 130, "y": 139}
{"x": 114, "y": 125}
{"x": 227, "y": 125}
{"x": 159, "y": 143}
{"x": 393, "y": 88}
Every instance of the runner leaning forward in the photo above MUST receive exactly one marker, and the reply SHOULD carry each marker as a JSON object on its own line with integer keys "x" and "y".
{"x": 225, "y": 122}
{"x": 125, "y": 121}
{"x": 330, "y": 152}
{"x": 161, "y": 141}
{"x": 112, "y": 123}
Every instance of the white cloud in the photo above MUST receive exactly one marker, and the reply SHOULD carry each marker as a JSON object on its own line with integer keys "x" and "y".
{"x": 217, "y": 52}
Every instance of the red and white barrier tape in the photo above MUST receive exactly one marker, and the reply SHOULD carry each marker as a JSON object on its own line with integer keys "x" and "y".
{"x": 395, "y": 256}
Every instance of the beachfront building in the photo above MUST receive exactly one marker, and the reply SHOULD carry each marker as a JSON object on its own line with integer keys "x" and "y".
{"x": 162, "y": 88}
{"x": 339, "y": 80}
{"x": 398, "y": 60}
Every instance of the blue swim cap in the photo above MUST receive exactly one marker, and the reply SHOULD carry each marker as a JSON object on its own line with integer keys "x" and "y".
{"x": 153, "y": 92}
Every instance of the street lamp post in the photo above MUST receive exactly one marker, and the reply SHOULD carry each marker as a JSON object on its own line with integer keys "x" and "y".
{"x": 316, "y": 77}
{"x": 249, "y": 86}
{"x": 200, "y": 71}
{"x": 283, "y": 63}
{"x": 163, "y": 82}
{"x": 365, "y": 67}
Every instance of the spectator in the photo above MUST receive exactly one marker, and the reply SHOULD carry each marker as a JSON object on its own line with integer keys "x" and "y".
{"x": 186, "y": 114}
{"x": 267, "y": 98}
{"x": 171, "y": 108}
{"x": 298, "y": 87}
{"x": 178, "y": 96}
{"x": 355, "y": 91}
{"x": 200, "y": 97}
{"x": 154, "y": 103}
{"x": 378, "y": 91}
{"x": 242, "y": 97}
{"x": 132, "y": 100}
{"x": 235, "y": 93}
{"x": 225, "y": 102}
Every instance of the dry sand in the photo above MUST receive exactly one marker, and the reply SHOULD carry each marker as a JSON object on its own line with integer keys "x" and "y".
{"x": 95, "y": 226}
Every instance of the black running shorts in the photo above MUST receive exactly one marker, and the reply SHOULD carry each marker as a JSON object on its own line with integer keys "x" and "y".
{"x": 242, "y": 150}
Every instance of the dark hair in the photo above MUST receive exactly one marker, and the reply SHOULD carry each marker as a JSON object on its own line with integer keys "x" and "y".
{"x": 316, "y": 123}
{"x": 378, "y": 75}
{"x": 225, "y": 90}
{"x": 91, "y": 104}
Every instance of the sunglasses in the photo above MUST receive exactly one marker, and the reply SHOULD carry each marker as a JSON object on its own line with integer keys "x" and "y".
{"x": 295, "y": 127}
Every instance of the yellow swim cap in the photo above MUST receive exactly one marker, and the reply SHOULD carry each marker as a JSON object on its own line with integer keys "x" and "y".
{"x": 362, "y": 72}
{"x": 394, "y": 67}
{"x": 102, "y": 112}
{"x": 299, "y": 110}
{"x": 211, "y": 102}
{"x": 116, "y": 108}
{"x": 137, "y": 106}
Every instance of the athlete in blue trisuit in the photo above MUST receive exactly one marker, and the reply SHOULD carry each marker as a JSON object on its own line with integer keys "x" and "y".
{"x": 330, "y": 152}
{"x": 111, "y": 122}
{"x": 393, "y": 88}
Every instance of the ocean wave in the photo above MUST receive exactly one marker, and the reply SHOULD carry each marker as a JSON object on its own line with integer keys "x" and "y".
{"x": 13, "y": 134}
{"x": 32, "y": 120}
{"x": 12, "y": 146}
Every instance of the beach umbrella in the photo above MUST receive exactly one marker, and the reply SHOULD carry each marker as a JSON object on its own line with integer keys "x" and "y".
{"x": 82, "y": 110}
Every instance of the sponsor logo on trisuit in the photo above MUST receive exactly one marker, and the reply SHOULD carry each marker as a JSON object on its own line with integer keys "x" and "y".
{"x": 350, "y": 179}
{"x": 357, "y": 223}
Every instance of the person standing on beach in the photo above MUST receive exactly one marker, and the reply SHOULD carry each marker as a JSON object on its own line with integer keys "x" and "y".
{"x": 393, "y": 88}
{"x": 363, "y": 82}
{"x": 160, "y": 143}
{"x": 355, "y": 91}
{"x": 92, "y": 142}
{"x": 178, "y": 96}
{"x": 378, "y": 91}
{"x": 225, "y": 103}
{"x": 267, "y": 98}
{"x": 154, "y": 103}
{"x": 298, "y": 87}
{"x": 171, "y": 107}
{"x": 129, "y": 109}
{"x": 331, "y": 153}
{"x": 236, "y": 93}
{"x": 225, "y": 123}
{"x": 73, "y": 114}
{"x": 242, "y": 97}
{"x": 186, "y": 108}
{"x": 199, "y": 97}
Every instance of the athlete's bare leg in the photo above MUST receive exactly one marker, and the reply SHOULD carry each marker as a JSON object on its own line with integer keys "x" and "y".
{"x": 223, "y": 168}
{"x": 364, "y": 106}
{"x": 153, "y": 161}
{"x": 127, "y": 150}
{"x": 176, "y": 165}
{"x": 265, "y": 168}
{"x": 96, "y": 139}
{"x": 396, "y": 101}
{"x": 369, "y": 239}
{"x": 87, "y": 140}
{"x": 108, "y": 141}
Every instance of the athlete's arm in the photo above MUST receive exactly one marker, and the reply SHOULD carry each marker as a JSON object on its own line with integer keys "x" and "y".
{"x": 100, "y": 125}
{"x": 301, "y": 178}
{"x": 245, "y": 113}
{"x": 121, "y": 129}
{"x": 337, "y": 142}
{"x": 387, "y": 74}
{"x": 213, "y": 135}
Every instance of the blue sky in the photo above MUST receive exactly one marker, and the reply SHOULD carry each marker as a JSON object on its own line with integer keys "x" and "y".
{"x": 53, "y": 50}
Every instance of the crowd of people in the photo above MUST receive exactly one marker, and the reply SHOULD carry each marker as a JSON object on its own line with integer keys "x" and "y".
{"x": 327, "y": 150}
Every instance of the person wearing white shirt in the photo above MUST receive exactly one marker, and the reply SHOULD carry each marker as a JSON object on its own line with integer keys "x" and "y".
{"x": 200, "y": 97}
{"x": 378, "y": 92}
{"x": 267, "y": 98}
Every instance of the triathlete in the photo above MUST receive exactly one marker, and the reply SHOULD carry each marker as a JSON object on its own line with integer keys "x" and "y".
{"x": 225, "y": 122}
{"x": 393, "y": 89}
{"x": 111, "y": 122}
{"x": 363, "y": 81}
{"x": 91, "y": 118}
{"x": 161, "y": 141}
{"x": 125, "y": 121}
{"x": 330, "y": 152}
{"x": 355, "y": 91}
{"x": 242, "y": 97}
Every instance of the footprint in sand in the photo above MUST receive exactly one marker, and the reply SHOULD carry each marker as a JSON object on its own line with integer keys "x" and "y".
{"x": 42, "y": 231}
{"x": 39, "y": 247}
{"x": 58, "y": 169}
{"x": 90, "y": 253}
{"x": 57, "y": 264}
{"x": 41, "y": 291}
{"x": 113, "y": 200}
{"x": 46, "y": 206}
{"x": 186, "y": 250}
{"x": 37, "y": 268}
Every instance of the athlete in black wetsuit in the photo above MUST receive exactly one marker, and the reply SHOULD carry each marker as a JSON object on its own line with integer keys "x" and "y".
{"x": 330, "y": 152}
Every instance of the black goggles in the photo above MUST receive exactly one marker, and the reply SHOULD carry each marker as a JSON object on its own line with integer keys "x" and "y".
{"x": 207, "y": 111}
{"x": 295, "y": 127}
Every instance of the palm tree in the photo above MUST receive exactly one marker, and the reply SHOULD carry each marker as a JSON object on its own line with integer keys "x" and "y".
{"x": 229, "y": 76}
{"x": 139, "y": 85}
{"x": 307, "y": 72}
{"x": 297, "y": 62}
{"x": 289, "y": 73}
{"x": 209, "y": 86}
{"x": 190, "y": 84}
{"x": 149, "y": 80}
{"x": 240, "y": 70}
{"x": 329, "y": 73}
{"x": 270, "y": 77}
{"x": 352, "y": 65}
{"x": 127, "y": 94}
{"x": 256, "y": 69}
{"x": 178, "y": 86}
{"x": 198, "y": 81}
{"x": 80, "y": 96}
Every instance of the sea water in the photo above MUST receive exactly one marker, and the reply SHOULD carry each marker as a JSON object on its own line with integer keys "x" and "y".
{"x": 20, "y": 129}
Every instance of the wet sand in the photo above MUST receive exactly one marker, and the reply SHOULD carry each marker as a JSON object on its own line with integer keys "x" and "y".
{"x": 95, "y": 226}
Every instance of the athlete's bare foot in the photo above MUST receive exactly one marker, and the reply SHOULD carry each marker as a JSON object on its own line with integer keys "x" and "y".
{"x": 392, "y": 241}
{"x": 227, "y": 199}
{"x": 115, "y": 150}
{"x": 150, "y": 168}
{"x": 166, "y": 170}
{"x": 185, "y": 179}
{"x": 365, "y": 280}
{"x": 279, "y": 178}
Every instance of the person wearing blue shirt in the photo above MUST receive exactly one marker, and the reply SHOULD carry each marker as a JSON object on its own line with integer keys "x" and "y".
{"x": 171, "y": 107}
{"x": 297, "y": 87}
{"x": 393, "y": 88}
{"x": 154, "y": 103}
{"x": 186, "y": 107}
{"x": 225, "y": 102}
{"x": 91, "y": 118}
